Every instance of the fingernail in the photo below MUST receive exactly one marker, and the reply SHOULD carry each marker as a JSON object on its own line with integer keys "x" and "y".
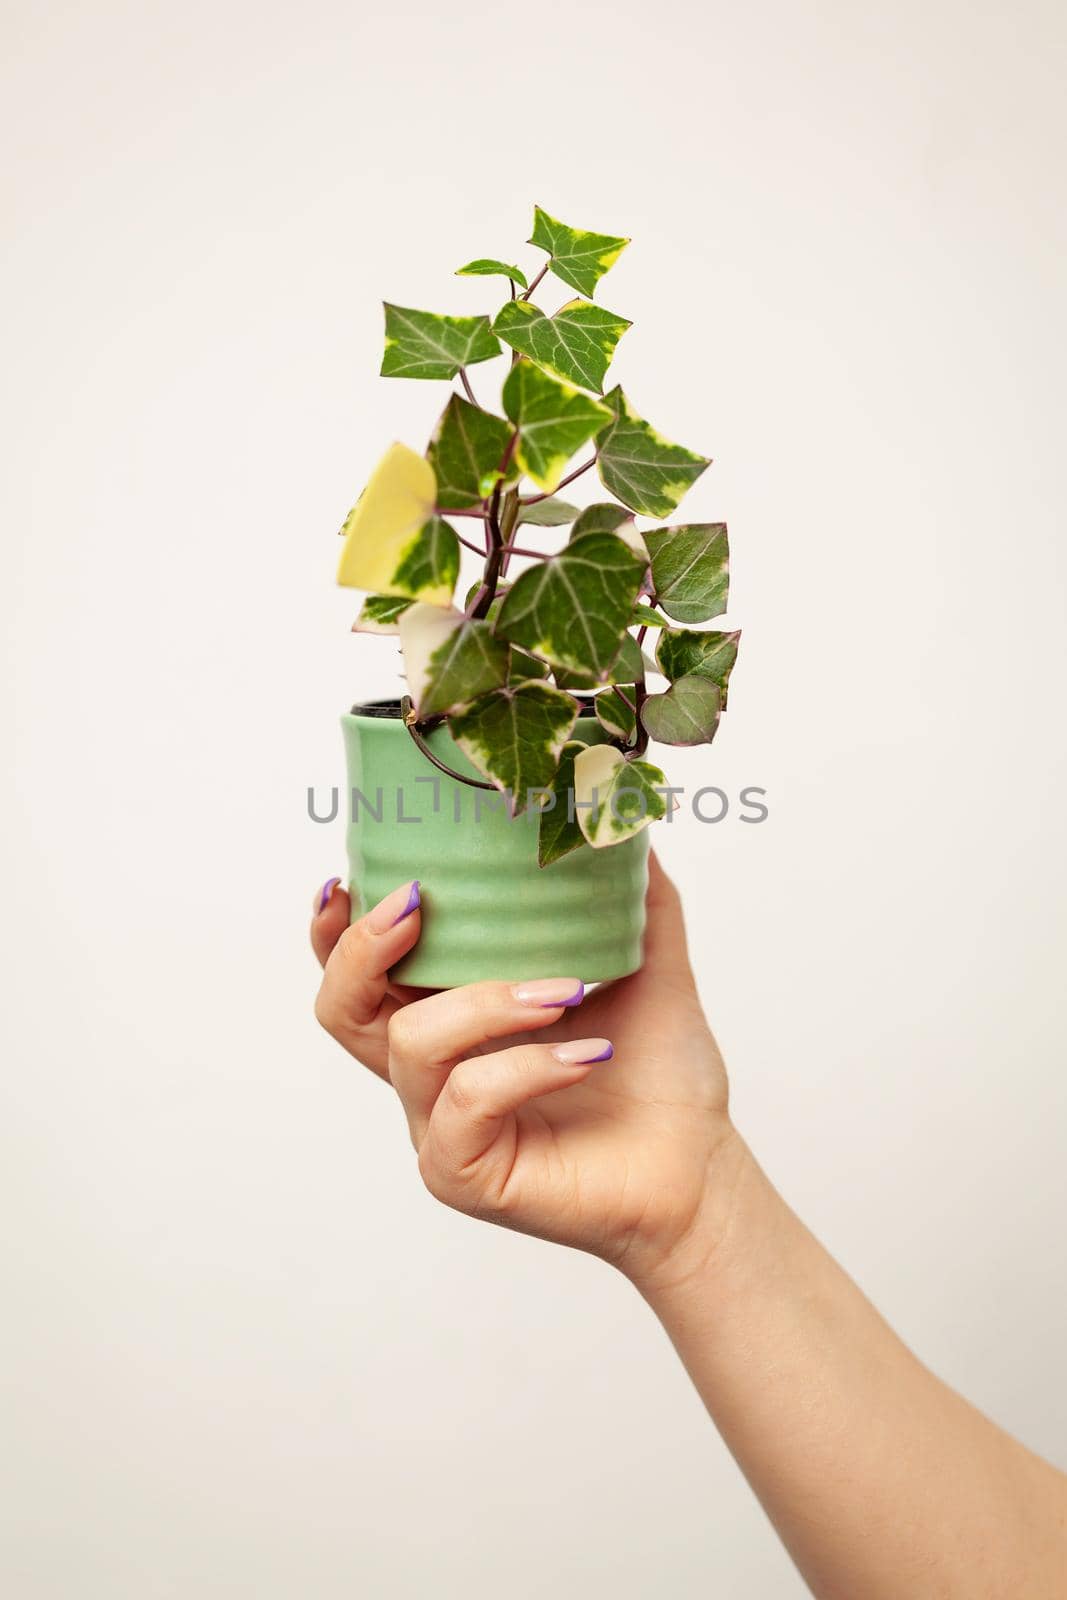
{"x": 582, "y": 1051}
{"x": 327, "y": 891}
{"x": 394, "y": 908}
{"x": 550, "y": 992}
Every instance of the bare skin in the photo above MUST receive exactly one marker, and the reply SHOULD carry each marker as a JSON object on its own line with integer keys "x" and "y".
{"x": 880, "y": 1480}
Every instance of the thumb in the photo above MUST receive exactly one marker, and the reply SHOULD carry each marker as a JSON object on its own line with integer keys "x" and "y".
{"x": 665, "y": 942}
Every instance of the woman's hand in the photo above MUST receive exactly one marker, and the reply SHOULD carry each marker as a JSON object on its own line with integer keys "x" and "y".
{"x": 598, "y": 1122}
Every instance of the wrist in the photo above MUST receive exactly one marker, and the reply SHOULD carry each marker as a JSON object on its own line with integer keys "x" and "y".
{"x": 730, "y": 1215}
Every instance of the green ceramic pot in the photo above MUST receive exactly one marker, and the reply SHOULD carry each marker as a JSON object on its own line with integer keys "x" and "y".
{"x": 489, "y": 911}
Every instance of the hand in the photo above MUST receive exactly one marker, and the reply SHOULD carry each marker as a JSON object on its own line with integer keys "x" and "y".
{"x": 518, "y": 1122}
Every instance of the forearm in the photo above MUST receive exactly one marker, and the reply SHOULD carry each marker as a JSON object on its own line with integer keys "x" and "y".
{"x": 880, "y": 1480}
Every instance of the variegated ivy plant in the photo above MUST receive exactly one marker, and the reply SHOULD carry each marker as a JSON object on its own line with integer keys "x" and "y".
{"x": 502, "y": 668}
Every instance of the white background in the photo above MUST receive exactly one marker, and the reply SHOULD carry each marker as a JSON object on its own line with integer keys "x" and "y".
{"x": 242, "y": 1352}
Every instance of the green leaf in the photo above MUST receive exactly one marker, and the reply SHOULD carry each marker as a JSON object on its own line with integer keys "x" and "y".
{"x": 572, "y": 608}
{"x": 647, "y": 616}
{"x": 514, "y": 735}
{"x": 691, "y": 570}
{"x": 523, "y": 666}
{"x": 550, "y": 513}
{"x": 430, "y": 566}
{"x": 615, "y": 714}
{"x": 642, "y": 469}
{"x": 486, "y": 267}
{"x": 421, "y": 344}
{"x": 449, "y": 660}
{"x": 558, "y": 832}
{"x": 603, "y": 517}
{"x": 577, "y": 344}
{"x": 466, "y": 452}
{"x": 380, "y": 613}
{"x": 579, "y": 258}
{"x": 687, "y": 713}
{"x": 682, "y": 651}
{"x": 553, "y": 420}
{"x": 615, "y": 798}
{"x": 626, "y": 667}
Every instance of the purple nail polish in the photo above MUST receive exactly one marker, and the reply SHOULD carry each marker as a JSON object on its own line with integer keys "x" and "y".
{"x": 575, "y": 999}
{"x": 327, "y": 890}
{"x": 414, "y": 902}
{"x": 605, "y": 1055}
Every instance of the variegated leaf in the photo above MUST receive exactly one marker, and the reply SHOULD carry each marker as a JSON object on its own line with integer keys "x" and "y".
{"x": 641, "y": 468}
{"x": 681, "y": 651}
{"x": 550, "y": 513}
{"x": 553, "y": 420}
{"x": 515, "y": 735}
{"x": 615, "y": 798}
{"x": 467, "y": 452}
{"x": 393, "y": 542}
{"x": 624, "y": 669}
{"x": 578, "y": 257}
{"x": 486, "y": 267}
{"x": 449, "y": 660}
{"x": 381, "y": 613}
{"x": 691, "y": 570}
{"x": 572, "y": 608}
{"x": 577, "y": 344}
{"x": 687, "y": 713}
{"x": 558, "y": 830}
{"x": 422, "y": 344}
{"x": 616, "y": 715}
{"x": 607, "y": 517}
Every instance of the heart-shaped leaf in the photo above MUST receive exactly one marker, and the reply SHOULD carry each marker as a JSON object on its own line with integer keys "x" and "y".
{"x": 687, "y": 713}
{"x": 393, "y": 542}
{"x": 380, "y": 613}
{"x": 642, "y": 469}
{"x": 577, "y": 344}
{"x": 572, "y": 608}
{"x": 421, "y": 344}
{"x": 615, "y": 798}
{"x": 578, "y": 257}
{"x": 553, "y": 420}
{"x": 514, "y": 735}
{"x": 691, "y": 570}
{"x": 448, "y": 660}
{"x": 467, "y": 452}
{"x": 486, "y": 267}
{"x": 607, "y": 517}
{"x": 550, "y": 513}
{"x": 624, "y": 669}
{"x": 682, "y": 651}
{"x": 558, "y": 830}
{"x": 615, "y": 714}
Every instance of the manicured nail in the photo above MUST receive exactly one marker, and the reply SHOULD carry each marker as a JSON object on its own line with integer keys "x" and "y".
{"x": 580, "y": 1052}
{"x": 394, "y": 908}
{"x": 550, "y": 992}
{"x": 327, "y": 892}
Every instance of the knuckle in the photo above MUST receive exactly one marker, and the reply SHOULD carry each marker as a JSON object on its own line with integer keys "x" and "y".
{"x": 403, "y": 1031}
{"x": 462, "y": 1090}
{"x": 325, "y": 1013}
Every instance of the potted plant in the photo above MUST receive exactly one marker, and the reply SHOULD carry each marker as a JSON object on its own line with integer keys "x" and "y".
{"x": 513, "y": 774}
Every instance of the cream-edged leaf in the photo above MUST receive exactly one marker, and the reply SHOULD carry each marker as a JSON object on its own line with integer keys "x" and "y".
{"x": 572, "y": 608}
{"x": 615, "y": 798}
{"x": 711, "y": 653}
{"x": 467, "y": 453}
{"x": 641, "y": 468}
{"x": 381, "y": 613}
{"x": 448, "y": 659}
{"x": 579, "y": 257}
{"x": 553, "y": 420}
{"x": 514, "y": 735}
{"x": 690, "y": 570}
{"x": 577, "y": 344}
{"x": 384, "y": 530}
{"x": 616, "y": 714}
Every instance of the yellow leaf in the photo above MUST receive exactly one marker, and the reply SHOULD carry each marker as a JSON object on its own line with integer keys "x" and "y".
{"x": 385, "y": 522}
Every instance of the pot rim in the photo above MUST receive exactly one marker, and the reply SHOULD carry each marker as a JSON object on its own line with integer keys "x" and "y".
{"x": 389, "y": 710}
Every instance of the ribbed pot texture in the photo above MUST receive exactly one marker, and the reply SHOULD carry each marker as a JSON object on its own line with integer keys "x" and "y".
{"x": 489, "y": 910}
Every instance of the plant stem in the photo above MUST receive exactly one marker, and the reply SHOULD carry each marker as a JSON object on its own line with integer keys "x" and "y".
{"x": 640, "y": 696}
{"x": 468, "y": 511}
{"x": 536, "y": 281}
{"x": 465, "y": 381}
{"x": 493, "y": 560}
{"x": 479, "y": 549}
{"x": 532, "y": 499}
{"x": 520, "y": 550}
